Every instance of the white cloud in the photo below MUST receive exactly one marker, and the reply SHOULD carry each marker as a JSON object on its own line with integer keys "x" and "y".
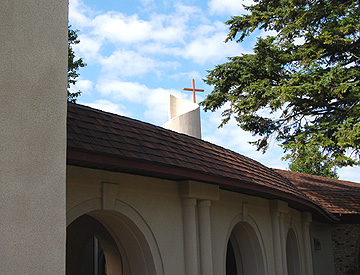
{"x": 157, "y": 103}
{"x": 88, "y": 48}
{"x": 204, "y": 45}
{"x": 127, "y": 63}
{"x": 232, "y": 137}
{"x": 84, "y": 85}
{"x": 121, "y": 90}
{"x": 186, "y": 75}
{"x": 350, "y": 173}
{"x": 77, "y": 11}
{"x": 230, "y": 7}
{"x": 120, "y": 28}
{"x": 108, "y": 106}
{"x": 148, "y": 3}
{"x": 210, "y": 49}
{"x": 264, "y": 33}
{"x": 154, "y": 102}
{"x": 156, "y": 48}
{"x": 130, "y": 63}
{"x": 170, "y": 28}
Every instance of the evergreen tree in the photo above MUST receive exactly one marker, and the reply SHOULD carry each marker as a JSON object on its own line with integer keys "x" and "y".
{"x": 310, "y": 160}
{"x": 73, "y": 64}
{"x": 300, "y": 86}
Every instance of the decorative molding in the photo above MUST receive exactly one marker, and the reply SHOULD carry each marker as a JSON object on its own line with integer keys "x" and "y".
{"x": 245, "y": 211}
{"x": 199, "y": 190}
{"x": 109, "y": 194}
{"x": 278, "y": 206}
{"x": 306, "y": 217}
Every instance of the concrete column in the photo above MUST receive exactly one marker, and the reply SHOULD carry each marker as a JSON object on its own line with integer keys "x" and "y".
{"x": 276, "y": 242}
{"x": 33, "y": 82}
{"x": 277, "y": 210}
{"x": 305, "y": 223}
{"x": 205, "y": 237}
{"x": 283, "y": 236}
{"x": 190, "y": 239}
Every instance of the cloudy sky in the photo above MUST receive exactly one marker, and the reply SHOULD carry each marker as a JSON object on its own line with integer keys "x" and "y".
{"x": 139, "y": 51}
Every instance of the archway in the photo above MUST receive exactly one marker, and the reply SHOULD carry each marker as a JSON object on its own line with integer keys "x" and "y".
{"x": 244, "y": 255}
{"x": 106, "y": 242}
{"x": 90, "y": 249}
{"x": 292, "y": 254}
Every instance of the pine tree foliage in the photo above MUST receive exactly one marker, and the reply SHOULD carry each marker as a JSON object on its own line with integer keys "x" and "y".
{"x": 300, "y": 86}
{"x": 73, "y": 64}
{"x": 310, "y": 160}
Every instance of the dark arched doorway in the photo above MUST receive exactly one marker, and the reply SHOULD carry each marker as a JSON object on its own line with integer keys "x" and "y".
{"x": 244, "y": 255}
{"x": 292, "y": 254}
{"x": 90, "y": 249}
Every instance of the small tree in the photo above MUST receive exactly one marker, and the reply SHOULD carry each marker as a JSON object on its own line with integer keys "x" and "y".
{"x": 301, "y": 86}
{"x": 310, "y": 160}
{"x": 73, "y": 64}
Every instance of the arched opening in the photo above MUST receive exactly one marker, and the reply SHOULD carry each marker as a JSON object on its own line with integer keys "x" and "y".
{"x": 107, "y": 242}
{"x": 244, "y": 255}
{"x": 90, "y": 249}
{"x": 292, "y": 254}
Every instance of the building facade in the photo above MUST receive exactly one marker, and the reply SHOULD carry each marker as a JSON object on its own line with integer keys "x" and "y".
{"x": 106, "y": 194}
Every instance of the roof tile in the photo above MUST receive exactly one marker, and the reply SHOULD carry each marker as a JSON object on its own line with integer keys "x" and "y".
{"x": 103, "y": 133}
{"x": 337, "y": 196}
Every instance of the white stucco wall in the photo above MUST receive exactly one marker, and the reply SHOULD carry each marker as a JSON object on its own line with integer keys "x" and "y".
{"x": 323, "y": 259}
{"x": 157, "y": 208}
{"x": 33, "y": 54}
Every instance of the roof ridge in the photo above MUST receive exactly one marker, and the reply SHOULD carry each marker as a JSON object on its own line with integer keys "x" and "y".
{"x": 316, "y": 176}
{"x": 169, "y": 130}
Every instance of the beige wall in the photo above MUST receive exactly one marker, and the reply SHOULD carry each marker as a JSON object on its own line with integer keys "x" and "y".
{"x": 152, "y": 205}
{"x": 156, "y": 208}
{"x": 323, "y": 259}
{"x": 33, "y": 54}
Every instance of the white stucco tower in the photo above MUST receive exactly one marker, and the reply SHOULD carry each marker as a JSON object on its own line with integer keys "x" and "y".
{"x": 184, "y": 117}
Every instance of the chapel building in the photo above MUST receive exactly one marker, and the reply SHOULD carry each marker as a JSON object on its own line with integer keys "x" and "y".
{"x": 84, "y": 191}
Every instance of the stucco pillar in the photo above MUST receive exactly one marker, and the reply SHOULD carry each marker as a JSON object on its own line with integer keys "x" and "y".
{"x": 276, "y": 242}
{"x": 190, "y": 240}
{"x": 205, "y": 237}
{"x": 277, "y": 210}
{"x": 33, "y": 82}
{"x": 283, "y": 236}
{"x": 305, "y": 224}
{"x": 190, "y": 192}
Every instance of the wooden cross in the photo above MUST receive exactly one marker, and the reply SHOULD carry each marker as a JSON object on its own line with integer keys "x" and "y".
{"x": 193, "y": 90}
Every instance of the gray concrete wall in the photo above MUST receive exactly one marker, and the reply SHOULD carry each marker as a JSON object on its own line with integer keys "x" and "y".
{"x": 33, "y": 79}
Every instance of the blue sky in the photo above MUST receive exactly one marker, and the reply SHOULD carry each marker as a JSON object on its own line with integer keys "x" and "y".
{"x": 137, "y": 52}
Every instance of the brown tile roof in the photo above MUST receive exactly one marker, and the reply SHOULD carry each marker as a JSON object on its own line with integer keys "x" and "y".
{"x": 102, "y": 140}
{"x": 336, "y": 196}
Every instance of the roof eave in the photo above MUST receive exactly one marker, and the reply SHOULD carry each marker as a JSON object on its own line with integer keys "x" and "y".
{"x": 141, "y": 167}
